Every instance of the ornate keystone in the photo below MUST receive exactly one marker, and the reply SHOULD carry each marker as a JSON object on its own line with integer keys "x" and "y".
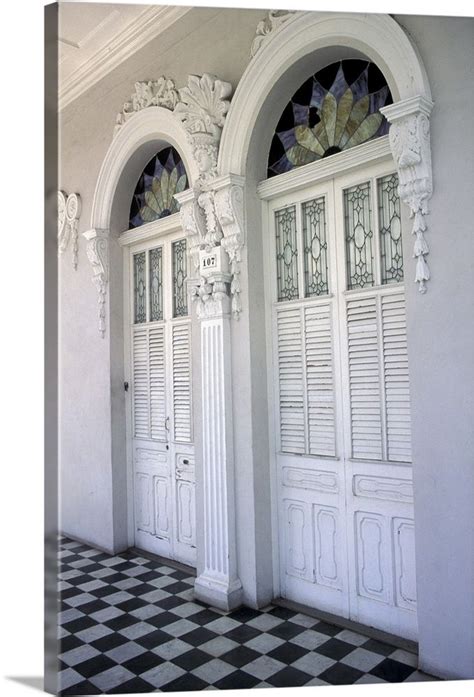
{"x": 69, "y": 211}
{"x": 98, "y": 255}
{"x": 161, "y": 92}
{"x": 265, "y": 28}
{"x": 410, "y": 143}
{"x": 202, "y": 108}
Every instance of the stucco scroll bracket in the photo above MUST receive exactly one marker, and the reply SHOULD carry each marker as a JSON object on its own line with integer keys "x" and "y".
{"x": 98, "y": 254}
{"x": 161, "y": 92}
{"x": 69, "y": 212}
{"x": 410, "y": 144}
{"x": 267, "y": 27}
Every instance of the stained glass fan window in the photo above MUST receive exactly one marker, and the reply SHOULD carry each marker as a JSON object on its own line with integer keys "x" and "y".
{"x": 334, "y": 110}
{"x": 163, "y": 177}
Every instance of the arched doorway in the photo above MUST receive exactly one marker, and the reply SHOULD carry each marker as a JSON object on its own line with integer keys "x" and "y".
{"x": 148, "y": 329}
{"x": 305, "y": 45}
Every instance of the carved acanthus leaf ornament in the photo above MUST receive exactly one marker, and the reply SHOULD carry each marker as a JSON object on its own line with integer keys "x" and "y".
{"x": 98, "y": 254}
{"x": 268, "y": 26}
{"x": 161, "y": 92}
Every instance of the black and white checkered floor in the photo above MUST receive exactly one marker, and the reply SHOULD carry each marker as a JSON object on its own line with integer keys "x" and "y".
{"x": 128, "y": 624}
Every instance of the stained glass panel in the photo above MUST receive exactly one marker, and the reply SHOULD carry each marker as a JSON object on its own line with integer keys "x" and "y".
{"x": 139, "y": 287}
{"x": 359, "y": 236}
{"x": 286, "y": 253}
{"x": 315, "y": 247}
{"x": 391, "y": 253}
{"x": 163, "y": 177}
{"x": 156, "y": 284}
{"x": 334, "y": 110}
{"x": 180, "y": 302}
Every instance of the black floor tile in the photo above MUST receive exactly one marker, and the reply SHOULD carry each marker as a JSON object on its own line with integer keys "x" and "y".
{"x": 82, "y": 688}
{"x": 131, "y": 687}
{"x": 240, "y": 656}
{"x": 289, "y": 677}
{"x": 185, "y": 683}
{"x": 288, "y": 653}
{"x": 191, "y": 659}
{"x": 145, "y": 661}
{"x": 242, "y": 634}
{"x": 94, "y": 666}
{"x": 286, "y": 630}
{"x": 237, "y": 681}
{"x": 244, "y": 614}
{"x": 378, "y": 647}
{"x": 198, "y": 636}
{"x": 109, "y": 642}
{"x": 334, "y": 648}
{"x": 340, "y": 674}
{"x": 152, "y": 640}
{"x": 392, "y": 671}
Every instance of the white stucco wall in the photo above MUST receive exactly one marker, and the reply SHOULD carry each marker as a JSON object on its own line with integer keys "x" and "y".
{"x": 440, "y": 334}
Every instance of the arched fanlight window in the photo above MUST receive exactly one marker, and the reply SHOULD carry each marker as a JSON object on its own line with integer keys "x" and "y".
{"x": 334, "y": 110}
{"x": 163, "y": 177}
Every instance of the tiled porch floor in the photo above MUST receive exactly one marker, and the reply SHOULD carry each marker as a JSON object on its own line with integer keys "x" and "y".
{"x": 128, "y": 624}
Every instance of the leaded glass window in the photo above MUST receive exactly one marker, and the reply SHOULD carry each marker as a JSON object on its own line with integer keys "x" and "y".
{"x": 359, "y": 236}
{"x": 390, "y": 229}
{"x": 156, "y": 284}
{"x": 139, "y": 287}
{"x": 334, "y": 110}
{"x": 163, "y": 177}
{"x": 286, "y": 253}
{"x": 180, "y": 302}
{"x": 315, "y": 247}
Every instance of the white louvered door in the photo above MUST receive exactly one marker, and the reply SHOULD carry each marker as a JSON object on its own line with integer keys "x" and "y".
{"x": 161, "y": 400}
{"x": 341, "y": 395}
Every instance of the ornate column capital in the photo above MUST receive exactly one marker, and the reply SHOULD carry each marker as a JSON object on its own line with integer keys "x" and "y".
{"x": 98, "y": 254}
{"x": 410, "y": 143}
{"x": 229, "y": 206}
{"x": 69, "y": 212}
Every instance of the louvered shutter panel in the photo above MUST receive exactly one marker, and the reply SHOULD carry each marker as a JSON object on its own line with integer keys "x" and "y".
{"x": 140, "y": 383}
{"x": 319, "y": 380}
{"x": 364, "y": 378}
{"x": 157, "y": 385}
{"x": 149, "y": 389}
{"x": 397, "y": 388}
{"x": 290, "y": 372}
{"x": 182, "y": 382}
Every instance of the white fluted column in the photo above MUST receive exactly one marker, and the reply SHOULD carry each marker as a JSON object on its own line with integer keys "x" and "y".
{"x": 218, "y": 584}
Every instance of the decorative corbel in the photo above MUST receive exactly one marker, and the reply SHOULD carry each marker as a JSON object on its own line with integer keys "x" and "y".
{"x": 69, "y": 211}
{"x": 229, "y": 206}
{"x": 410, "y": 143}
{"x": 98, "y": 255}
{"x": 193, "y": 223}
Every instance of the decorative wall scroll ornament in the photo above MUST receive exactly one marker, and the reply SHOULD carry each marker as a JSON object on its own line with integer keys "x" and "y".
{"x": 98, "y": 254}
{"x": 161, "y": 92}
{"x": 410, "y": 143}
{"x": 202, "y": 108}
{"x": 229, "y": 204}
{"x": 193, "y": 223}
{"x": 69, "y": 211}
{"x": 267, "y": 26}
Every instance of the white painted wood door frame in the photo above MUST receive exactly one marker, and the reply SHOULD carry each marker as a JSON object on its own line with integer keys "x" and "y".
{"x": 386, "y": 500}
{"x": 177, "y": 462}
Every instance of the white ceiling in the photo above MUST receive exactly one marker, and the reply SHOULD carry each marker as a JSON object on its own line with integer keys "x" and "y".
{"x": 94, "y": 38}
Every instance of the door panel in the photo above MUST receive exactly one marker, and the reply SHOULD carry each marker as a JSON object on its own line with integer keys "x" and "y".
{"x": 163, "y": 451}
{"x": 342, "y": 409}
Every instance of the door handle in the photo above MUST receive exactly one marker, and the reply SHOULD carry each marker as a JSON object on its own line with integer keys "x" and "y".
{"x": 167, "y": 422}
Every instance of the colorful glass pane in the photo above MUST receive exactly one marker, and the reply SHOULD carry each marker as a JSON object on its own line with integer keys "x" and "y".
{"x": 390, "y": 229}
{"x": 163, "y": 177}
{"x": 180, "y": 303}
{"x": 286, "y": 253}
{"x": 315, "y": 247}
{"x": 359, "y": 236}
{"x": 334, "y": 110}
{"x": 156, "y": 284}
{"x": 139, "y": 287}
